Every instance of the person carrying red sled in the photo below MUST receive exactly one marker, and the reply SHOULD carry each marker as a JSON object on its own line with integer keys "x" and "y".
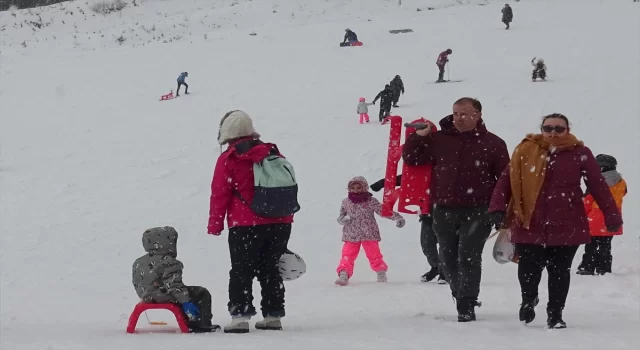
{"x": 428, "y": 240}
{"x": 442, "y": 60}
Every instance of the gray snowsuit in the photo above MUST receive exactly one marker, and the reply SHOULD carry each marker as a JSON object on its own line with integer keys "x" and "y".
{"x": 157, "y": 276}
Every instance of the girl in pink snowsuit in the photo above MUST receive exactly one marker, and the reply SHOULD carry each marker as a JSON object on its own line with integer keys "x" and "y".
{"x": 360, "y": 229}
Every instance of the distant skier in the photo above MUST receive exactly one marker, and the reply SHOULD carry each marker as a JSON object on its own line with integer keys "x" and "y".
{"x": 539, "y": 69}
{"x": 350, "y": 36}
{"x": 386, "y": 99}
{"x": 181, "y": 82}
{"x": 398, "y": 87}
{"x": 507, "y": 15}
{"x": 443, "y": 58}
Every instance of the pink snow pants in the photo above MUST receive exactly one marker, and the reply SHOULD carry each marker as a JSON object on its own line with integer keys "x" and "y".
{"x": 364, "y": 117}
{"x": 350, "y": 252}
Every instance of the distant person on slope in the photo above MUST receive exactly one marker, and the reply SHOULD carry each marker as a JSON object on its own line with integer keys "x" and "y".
{"x": 349, "y": 36}
{"x": 363, "y": 110}
{"x": 181, "y": 82}
{"x": 507, "y": 15}
{"x": 442, "y": 60}
{"x": 539, "y": 69}
{"x": 398, "y": 87}
{"x": 386, "y": 99}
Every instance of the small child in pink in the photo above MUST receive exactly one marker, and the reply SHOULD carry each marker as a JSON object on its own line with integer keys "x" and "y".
{"x": 363, "y": 110}
{"x": 360, "y": 229}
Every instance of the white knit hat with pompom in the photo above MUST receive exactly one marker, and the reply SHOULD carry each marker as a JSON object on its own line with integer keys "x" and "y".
{"x": 235, "y": 124}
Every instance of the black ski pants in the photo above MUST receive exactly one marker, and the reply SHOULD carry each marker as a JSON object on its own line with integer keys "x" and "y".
{"x": 429, "y": 241}
{"x": 255, "y": 252}
{"x": 385, "y": 110}
{"x": 201, "y": 298}
{"x": 396, "y": 96}
{"x": 539, "y": 73}
{"x": 597, "y": 255}
{"x": 441, "y": 73}
{"x": 462, "y": 233}
{"x": 557, "y": 260}
{"x": 186, "y": 88}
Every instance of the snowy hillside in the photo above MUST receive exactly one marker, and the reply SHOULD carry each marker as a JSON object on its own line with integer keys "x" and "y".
{"x": 89, "y": 159}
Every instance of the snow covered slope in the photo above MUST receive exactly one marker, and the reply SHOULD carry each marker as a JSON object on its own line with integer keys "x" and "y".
{"x": 89, "y": 159}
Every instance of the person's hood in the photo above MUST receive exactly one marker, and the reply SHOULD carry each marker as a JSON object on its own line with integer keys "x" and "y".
{"x": 251, "y": 149}
{"x": 360, "y": 180}
{"x": 161, "y": 241}
{"x": 446, "y": 126}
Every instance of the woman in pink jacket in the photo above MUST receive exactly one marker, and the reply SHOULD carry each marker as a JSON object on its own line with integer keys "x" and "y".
{"x": 360, "y": 229}
{"x": 256, "y": 243}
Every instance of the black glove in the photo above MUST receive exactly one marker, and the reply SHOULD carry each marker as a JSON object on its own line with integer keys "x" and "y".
{"x": 377, "y": 186}
{"x": 613, "y": 228}
{"x": 496, "y": 218}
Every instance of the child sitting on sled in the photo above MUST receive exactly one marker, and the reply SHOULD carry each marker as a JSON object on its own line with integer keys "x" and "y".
{"x": 360, "y": 229}
{"x": 157, "y": 278}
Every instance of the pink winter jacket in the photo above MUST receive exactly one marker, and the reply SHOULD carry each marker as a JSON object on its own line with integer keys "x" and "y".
{"x": 361, "y": 224}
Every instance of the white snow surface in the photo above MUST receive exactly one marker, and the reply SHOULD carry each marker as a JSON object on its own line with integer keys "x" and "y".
{"x": 90, "y": 159}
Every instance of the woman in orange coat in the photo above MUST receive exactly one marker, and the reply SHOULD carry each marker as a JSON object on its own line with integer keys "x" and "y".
{"x": 597, "y": 256}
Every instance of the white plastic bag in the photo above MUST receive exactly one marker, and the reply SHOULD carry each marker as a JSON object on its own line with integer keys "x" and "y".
{"x": 503, "y": 250}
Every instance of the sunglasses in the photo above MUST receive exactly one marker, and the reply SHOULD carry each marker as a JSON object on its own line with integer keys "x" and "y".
{"x": 558, "y": 128}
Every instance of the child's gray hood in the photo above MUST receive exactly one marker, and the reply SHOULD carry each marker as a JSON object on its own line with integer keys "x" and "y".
{"x": 161, "y": 241}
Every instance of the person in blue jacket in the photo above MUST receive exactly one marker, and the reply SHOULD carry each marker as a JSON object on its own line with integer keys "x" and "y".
{"x": 349, "y": 36}
{"x": 181, "y": 82}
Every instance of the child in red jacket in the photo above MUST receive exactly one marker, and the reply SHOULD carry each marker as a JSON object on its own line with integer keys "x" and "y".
{"x": 597, "y": 256}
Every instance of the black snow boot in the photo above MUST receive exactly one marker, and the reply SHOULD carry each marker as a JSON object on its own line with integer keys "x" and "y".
{"x": 466, "y": 309}
{"x": 202, "y": 327}
{"x": 442, "y": 279}
{"x": 430, "y": 275}
{"x": 527, "y": 309}
{"x": 554, "y": 319}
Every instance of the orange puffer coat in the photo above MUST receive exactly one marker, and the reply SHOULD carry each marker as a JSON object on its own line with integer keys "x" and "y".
{"x": 618, "y": 188}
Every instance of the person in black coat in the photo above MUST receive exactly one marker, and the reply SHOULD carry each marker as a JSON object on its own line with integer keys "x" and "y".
{"x": 386, "y": 99}
{"x": 398, "y": 87}
{"x": 507, "y": 15}
{"x": 349, "y": 36}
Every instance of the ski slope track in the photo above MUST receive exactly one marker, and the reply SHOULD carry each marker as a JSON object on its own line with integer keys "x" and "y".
{"x": 90, "y": 158}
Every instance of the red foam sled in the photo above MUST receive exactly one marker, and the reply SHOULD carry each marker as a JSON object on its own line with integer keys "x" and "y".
{"x": 355, "y": 43}
{"x": 394, "y": 153}
{"x": 416, "y": 179}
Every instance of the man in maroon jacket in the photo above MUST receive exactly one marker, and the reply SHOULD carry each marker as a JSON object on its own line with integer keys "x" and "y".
{"x": 467, "y": 162}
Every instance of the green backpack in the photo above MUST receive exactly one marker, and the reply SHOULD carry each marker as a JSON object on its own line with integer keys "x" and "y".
{"x": 276, "y": 189}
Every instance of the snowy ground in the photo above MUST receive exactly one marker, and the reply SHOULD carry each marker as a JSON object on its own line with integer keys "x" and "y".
{"x": 90, "y": 159}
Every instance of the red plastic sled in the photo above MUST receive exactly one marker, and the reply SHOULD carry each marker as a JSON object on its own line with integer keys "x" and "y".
{"x": 355, "y": 43}
{"x": 393, "y": 157}
{"x": 168, "y": 96}
{"x": 414, "y": 189}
